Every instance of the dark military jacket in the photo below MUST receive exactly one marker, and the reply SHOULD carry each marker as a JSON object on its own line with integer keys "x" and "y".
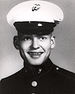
{"x": 44, "y": 79}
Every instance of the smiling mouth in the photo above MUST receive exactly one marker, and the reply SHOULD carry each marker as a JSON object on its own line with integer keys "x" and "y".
{"x": 35, "y": 55}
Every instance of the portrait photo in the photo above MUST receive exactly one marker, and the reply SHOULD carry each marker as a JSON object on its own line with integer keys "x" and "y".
{"x": 37, "y": 47}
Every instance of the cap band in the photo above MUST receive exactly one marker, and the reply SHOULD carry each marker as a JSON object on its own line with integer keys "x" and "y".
{"x": 34, "y": 27}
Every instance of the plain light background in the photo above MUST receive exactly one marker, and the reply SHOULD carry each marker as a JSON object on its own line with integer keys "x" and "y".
{"x": 62, "y": 55}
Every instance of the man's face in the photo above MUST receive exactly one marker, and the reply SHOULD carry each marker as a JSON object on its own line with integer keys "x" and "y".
{"x": 36, "y": 48}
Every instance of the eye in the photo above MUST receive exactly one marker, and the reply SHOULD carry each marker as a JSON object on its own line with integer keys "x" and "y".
{"x": 27, "y": 38}
{"x": 43, "y": 38}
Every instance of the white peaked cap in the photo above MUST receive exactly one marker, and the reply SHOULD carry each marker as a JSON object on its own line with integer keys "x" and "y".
{"x": 35, "y": 10}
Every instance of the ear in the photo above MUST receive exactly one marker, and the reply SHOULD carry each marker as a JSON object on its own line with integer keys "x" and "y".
{"x": 16, "y": 42}
{"x": 52, "y": 42}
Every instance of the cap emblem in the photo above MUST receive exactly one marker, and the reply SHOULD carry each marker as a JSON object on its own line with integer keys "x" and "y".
{"x": 36, "y": 7}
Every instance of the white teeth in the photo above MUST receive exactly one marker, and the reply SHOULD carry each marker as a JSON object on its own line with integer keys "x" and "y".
{"x": 35, "y": 53}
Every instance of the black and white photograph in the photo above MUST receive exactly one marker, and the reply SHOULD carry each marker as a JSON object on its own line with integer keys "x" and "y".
{"x": 37, "y": 47}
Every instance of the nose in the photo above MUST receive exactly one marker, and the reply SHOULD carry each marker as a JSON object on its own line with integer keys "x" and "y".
{"x": 35, "y": 43}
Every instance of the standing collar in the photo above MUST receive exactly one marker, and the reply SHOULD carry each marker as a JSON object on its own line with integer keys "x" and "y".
{"x": 47, "y": 65}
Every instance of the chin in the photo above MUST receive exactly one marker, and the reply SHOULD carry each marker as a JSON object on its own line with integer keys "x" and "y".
{"x": 35, "y": 61}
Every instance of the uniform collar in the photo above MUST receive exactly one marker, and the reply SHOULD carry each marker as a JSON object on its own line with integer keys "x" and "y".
{"x": 47, "y": 65}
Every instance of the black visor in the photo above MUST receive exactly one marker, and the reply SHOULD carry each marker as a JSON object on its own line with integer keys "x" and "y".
{"x": 34, "y": 27}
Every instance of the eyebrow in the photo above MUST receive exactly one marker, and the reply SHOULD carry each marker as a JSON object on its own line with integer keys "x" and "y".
{"x": 27, "y": 35}
{"x": 34, "y": 35}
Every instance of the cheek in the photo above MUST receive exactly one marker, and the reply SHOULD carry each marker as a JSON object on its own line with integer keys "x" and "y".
{"x": 46, "y": 45}
{"x": 26, "y": 45}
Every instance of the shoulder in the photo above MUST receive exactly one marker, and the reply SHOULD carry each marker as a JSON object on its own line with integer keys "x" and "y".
{"x": 63, "y": 72}
{"x": 13, "y": 77}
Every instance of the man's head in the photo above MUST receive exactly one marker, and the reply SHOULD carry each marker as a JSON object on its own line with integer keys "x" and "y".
{"x": 35, "y": 48}
{"x": 35, "y": 22}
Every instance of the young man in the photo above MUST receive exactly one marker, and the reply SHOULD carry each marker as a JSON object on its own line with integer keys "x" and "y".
{"x": 34, "y": 22}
